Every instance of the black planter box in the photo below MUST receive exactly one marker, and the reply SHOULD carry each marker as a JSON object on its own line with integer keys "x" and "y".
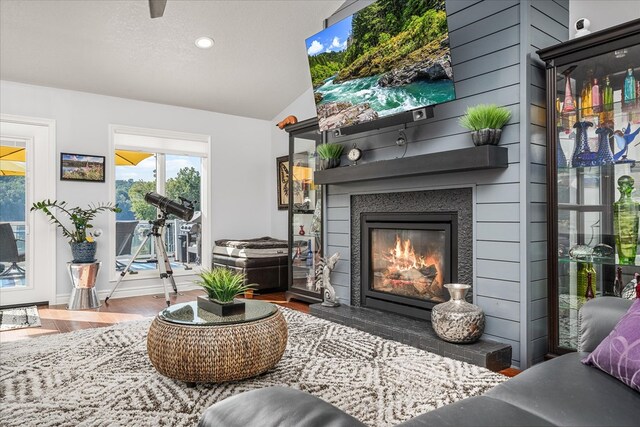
{"x": 219, "y": 309}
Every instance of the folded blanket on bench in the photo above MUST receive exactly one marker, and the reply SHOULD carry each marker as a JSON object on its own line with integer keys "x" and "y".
{"x": 258, "y": 243}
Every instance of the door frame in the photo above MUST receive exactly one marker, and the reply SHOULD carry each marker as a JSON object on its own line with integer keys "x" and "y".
{"x": 46, "y": 187}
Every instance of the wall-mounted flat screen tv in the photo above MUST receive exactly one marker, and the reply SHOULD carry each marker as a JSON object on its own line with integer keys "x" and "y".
{"x": 389, "y": 57}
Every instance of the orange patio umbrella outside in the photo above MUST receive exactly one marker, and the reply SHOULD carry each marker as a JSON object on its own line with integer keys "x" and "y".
{"x": 12, "y": 168}
{"x": 13, "y": 153}
{"x": 123, "y": 157}
{"x": 130, "y": 158}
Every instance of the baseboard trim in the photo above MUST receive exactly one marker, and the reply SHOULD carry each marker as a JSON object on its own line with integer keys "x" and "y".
{"x": 131, "y": 291}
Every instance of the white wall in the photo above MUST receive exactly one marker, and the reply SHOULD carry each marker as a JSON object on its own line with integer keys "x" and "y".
{"x": 241, "y": 205}
{"x": 303, "y": 108}
{"x": 602, "y": 13}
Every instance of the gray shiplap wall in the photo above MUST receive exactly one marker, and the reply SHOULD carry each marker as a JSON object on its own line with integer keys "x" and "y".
{"x": 547, "y": 25}
{"x": 509, "y": 228}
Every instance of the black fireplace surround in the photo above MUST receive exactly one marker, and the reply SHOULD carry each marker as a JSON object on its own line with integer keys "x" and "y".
{"x": 434, "y": 274}
{"x": 448, "y": 212}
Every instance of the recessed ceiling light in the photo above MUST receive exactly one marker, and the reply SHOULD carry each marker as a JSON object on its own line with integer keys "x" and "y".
{"x": 204, "y": 42}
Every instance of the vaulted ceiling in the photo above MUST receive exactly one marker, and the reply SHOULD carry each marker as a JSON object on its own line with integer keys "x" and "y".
{"x": 256, "y": 67}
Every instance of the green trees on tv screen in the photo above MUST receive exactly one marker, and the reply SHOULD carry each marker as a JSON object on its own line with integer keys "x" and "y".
{"x": 384, "y": 33}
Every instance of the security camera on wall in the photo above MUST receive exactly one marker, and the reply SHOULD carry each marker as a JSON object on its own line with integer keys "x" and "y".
{"x": 582, "y": 27}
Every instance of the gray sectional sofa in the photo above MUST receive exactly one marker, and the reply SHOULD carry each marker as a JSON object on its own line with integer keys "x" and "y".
{"x": 558, "y": 392}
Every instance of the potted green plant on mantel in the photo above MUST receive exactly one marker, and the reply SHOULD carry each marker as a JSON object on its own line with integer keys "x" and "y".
{"x": 329, "y": 153}
{"x": 222, "y": 286}
{"x": 486, "y": 122}
{"x": 81, "y": 240}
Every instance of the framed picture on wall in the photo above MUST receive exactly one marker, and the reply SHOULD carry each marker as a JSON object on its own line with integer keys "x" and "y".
{"x": 81, "y": 167}
{"x": 282, "y": 173}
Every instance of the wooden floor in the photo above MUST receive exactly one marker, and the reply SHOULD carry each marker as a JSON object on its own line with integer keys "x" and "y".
{"x": 56, "y": 318}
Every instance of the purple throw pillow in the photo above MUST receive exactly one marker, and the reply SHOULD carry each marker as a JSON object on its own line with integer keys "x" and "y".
{"x": 619, "y": 354}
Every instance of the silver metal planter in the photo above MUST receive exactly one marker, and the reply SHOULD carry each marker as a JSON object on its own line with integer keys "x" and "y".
{"x": 456, "y": 320}
{"x": 486, "y": 137}
{"x": 329, "y": 163}
{"x": 83, "y": 278}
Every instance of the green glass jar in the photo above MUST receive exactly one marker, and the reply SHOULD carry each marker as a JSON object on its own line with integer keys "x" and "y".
{"x": 584, "y": 269}
{"x": 625, "y": 222}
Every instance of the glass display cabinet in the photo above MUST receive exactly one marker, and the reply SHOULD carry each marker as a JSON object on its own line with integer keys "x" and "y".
{"x": 305, "y": 211}
{"x": 593, "y": 173}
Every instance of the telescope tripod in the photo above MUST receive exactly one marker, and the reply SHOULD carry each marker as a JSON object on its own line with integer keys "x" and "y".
{"x": 164, "y": 266}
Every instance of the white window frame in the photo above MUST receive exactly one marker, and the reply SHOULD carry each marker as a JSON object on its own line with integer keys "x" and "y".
{"x": 155, "y": 141}
{"x": 40, "y": 232}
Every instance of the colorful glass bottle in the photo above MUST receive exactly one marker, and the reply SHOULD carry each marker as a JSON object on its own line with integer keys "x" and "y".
{"x": 629, "y": 88}
{"x": 569, "y": 105}
{"x": 625, "y": 222}
{"x": 604, "y": 156}
{"x": 297, "y": 256}
{"x": 635, "y": 113}
{"x": 596, "y": 100}
{"x": 582, "y": 154}
{"x": 309, "y": 254}
{"x": 589, "y": 294}
{"x": 585, "y": 270}
{"x": 301, "y": 231}
{"x": 585, "y": 99}
{"x": 607, "y": 95}
{"x": 617, "y": 283}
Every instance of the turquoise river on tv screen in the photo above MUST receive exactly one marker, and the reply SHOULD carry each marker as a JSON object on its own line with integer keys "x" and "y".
{"x": 387, "y": 100}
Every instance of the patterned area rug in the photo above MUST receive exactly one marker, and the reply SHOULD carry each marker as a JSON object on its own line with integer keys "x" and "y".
{"x": 18, "y": 318}
{"x": 103, "y": 377}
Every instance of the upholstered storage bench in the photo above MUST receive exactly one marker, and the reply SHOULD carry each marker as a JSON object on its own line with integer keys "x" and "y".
{"x": 262, "y": 260}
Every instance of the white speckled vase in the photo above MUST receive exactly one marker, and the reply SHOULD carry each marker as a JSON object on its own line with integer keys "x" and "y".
{"x": 456, "y": 320}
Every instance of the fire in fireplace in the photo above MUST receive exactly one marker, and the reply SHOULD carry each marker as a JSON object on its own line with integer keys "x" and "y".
{"x": 406, "y": 260}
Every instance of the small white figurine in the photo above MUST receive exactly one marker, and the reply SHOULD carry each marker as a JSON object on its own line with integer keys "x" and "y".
{"x": 324, "y": 269}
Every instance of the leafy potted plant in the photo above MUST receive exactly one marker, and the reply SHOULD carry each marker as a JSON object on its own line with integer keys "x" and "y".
{"x": 486, "y": 122}
{"x": 222, "y": 286}
{"x": 83, "y": 245}
{"x": 330, "y": 153}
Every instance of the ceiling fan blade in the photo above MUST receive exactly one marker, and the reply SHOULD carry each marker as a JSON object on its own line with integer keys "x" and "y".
{"x": 156, "y": 7}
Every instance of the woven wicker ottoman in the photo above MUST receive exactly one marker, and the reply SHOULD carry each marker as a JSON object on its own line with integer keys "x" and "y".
{"x": 193, "y": 345}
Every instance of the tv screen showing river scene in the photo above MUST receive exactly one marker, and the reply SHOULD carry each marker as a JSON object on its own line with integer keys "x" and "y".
{"x": 390, "y": 57}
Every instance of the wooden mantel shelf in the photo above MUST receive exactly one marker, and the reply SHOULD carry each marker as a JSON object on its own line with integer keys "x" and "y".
{"x": 466, "y": 159}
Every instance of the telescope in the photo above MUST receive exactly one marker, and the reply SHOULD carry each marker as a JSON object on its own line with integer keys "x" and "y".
{"x": 182, "y": 209}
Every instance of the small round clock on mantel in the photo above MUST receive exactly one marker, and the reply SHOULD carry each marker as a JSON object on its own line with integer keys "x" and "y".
{"x": 355, "y": 154}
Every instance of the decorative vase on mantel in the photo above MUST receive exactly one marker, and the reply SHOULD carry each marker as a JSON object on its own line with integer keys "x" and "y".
{"x": 83, "y": 252}
{"x": 456, "y": 320}
{"x": 329, "y": 163}
{"x": 486, "y": 137}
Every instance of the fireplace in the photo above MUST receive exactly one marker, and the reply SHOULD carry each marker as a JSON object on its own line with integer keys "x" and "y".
{"x": 406, "y": 258}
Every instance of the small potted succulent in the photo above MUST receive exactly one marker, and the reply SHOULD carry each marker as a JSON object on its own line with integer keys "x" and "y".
{"x": 485, "y": 121}
{"x": 81, "y": 239}
{"x": 329, "y": 153}
{"x": 222, "y": 286}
